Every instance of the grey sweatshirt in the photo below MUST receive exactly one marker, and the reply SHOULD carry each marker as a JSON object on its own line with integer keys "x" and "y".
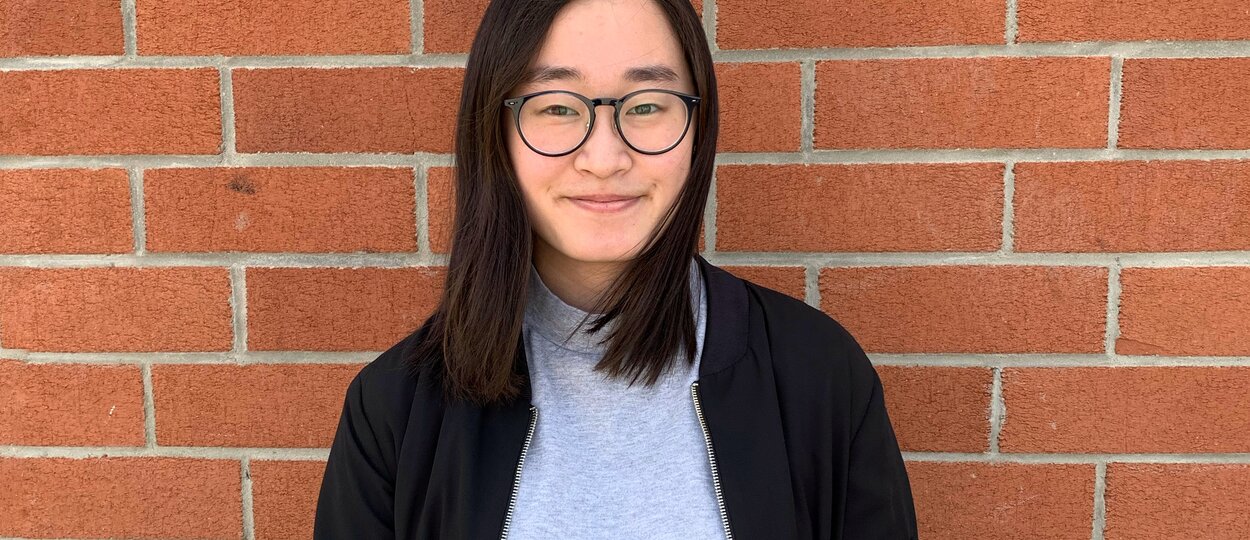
{"x": 606, "y": 460}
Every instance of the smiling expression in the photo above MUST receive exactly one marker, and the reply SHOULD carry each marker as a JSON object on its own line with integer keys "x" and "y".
{"x": 599, "y": 203}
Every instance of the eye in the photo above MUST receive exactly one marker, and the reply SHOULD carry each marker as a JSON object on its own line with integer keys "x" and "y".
{"x": 558, "y": 110}
{"x": 644, "y": 109}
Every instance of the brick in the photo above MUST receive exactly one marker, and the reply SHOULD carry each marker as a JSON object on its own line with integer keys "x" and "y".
{"x": 1188, "y": 311}
{"x": 241, "y": 28}
{"x": 1139, "y": 20}
{"x": 760, "y": 107}
{"x": 284, "y": 498}
{"x": 750, "y": 24}
{"x": 450, "y": 25}
{"x": 1187, "y": 103}
{"x": 121, "y": 497}
{"x": 70, "y": 404}
{"x": 292, "y": 209}
{"x": 938, "y": 409}
{"x": 1002, "y": 500}
{"x": 61, "y": 27}
{"x": 255, "y": 405}
{"x": 338, "y": 309}
{"x": 1132, "y": 206}
{"x": 441, "y": 205}
{"x": 115, "y": 309}
{"x": 65, "y": 211}
{"x": 1126, "y": 409}
{"x": 110, "y": 111}
{"x": 974, "y": 309}
{"x": 377, "y": 110}
{"x": 1177, "y": 500}
{"x": 789, "y": 280}
{"x": 994, "y": 102}
{"x": 868, "y": 207}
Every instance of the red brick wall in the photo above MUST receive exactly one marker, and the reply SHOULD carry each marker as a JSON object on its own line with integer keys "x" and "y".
{"x": 1033, "y": 214}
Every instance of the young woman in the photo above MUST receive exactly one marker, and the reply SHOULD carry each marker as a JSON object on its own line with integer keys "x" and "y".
{"x": 587, "y": 374}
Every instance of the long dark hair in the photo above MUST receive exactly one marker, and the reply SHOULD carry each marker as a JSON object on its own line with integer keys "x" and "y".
{"x": 473, "y": 337}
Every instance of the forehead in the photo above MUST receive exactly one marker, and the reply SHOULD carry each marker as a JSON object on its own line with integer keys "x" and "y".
{"x": 607, "y": 41}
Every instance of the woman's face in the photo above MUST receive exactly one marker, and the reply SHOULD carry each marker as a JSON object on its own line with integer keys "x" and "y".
{"x": 602, "y": 48}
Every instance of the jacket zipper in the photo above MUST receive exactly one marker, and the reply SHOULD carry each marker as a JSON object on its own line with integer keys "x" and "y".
{"x": 711, "y": 456}
{"x": 516, "y": 480}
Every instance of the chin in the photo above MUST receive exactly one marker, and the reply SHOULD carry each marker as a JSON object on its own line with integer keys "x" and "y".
{"x": 603, "y": 250}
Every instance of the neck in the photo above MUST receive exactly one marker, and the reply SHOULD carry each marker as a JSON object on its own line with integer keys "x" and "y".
{"x": 577, "y": 283}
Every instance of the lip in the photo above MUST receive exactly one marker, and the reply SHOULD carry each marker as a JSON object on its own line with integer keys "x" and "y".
{"x": 605, "y": 203}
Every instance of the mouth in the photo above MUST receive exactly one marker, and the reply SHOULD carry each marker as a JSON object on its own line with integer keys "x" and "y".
{"x": 605, "y": 203}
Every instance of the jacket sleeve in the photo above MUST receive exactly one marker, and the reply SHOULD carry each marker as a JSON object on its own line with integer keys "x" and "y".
{"x": 878, "y": 501}
{"x": 358, "y": 489}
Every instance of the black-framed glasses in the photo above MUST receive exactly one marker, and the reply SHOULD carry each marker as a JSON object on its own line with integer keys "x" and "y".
{"x": 555, "y": 123}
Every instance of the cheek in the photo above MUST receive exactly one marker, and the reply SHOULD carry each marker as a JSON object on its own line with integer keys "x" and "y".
{"x": 535, "y": 175}
{"x": 672, "y": 171}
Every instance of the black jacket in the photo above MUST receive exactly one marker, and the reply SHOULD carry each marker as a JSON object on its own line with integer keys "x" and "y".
{"x": 793, "y": 411}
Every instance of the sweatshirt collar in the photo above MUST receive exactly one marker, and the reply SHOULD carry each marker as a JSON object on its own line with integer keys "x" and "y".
{"x": 556, "y": 320}
{"x": 725, "y": 338}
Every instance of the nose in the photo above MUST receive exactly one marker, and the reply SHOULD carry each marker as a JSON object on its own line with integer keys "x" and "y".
{"x": 604, "y": 153}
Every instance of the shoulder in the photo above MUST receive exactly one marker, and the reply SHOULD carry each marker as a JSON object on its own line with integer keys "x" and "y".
{"x": 384, "y": 388}
{"x": 794, "y": 324}
{"x": 807, "y": 346}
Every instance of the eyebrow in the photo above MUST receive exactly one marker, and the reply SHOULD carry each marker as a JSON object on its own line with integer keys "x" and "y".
{"x": 651, "y": 73}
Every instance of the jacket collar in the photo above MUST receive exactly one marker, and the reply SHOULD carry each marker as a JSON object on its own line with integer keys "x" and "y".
{"x": 725, "y": 339}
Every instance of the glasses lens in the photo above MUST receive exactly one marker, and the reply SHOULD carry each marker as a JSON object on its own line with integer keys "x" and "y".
{"x": 554, "y": 123}
{"x": 653, "y": 121}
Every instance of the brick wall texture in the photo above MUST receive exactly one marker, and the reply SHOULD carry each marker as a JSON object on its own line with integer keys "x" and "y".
{"x": 1033, "y": 214}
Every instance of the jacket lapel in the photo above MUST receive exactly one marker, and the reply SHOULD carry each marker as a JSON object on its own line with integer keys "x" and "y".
{"x": 740, "y": 405}
{"x": 487, "y": 445}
